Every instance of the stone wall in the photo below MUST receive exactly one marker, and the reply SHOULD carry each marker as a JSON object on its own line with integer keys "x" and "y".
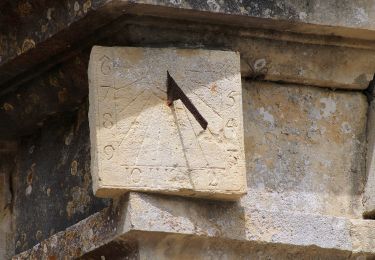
{"x": 53, "y": 187}
{"x": 307, "y": 129}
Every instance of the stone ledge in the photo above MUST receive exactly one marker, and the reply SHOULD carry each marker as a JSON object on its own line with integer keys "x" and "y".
{"x": 264, "y": 54}
{"x": 317, "y": 17}
{"x": 138, "y": 216}
{"x": 77, "y": 21}
{"x": 232, "y": 221}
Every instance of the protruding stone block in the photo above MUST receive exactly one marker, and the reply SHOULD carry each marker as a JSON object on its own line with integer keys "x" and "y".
{"x": 140, "y": 143}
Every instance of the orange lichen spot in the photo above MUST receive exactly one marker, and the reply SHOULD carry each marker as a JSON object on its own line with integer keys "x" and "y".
{"x": 8, "y": 107}
{"x": 30, "y": 174}
{"x": 86, "y": 6}
{"x": 74, "y": 168}
{"x": 62, "y": 95}
{"x": 24, "y": 8}
{"x": 28, "y": 44}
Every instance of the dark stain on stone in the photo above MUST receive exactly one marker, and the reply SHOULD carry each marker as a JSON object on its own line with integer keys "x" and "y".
{"x": 43, "y": 97}
{"x": 48, "y": 212}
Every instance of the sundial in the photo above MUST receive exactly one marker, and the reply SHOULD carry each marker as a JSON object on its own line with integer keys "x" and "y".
{"x": 166, "y": 121}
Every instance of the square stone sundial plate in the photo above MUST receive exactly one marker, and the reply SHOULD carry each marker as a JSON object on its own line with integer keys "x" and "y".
{"x": 142, "y": 142}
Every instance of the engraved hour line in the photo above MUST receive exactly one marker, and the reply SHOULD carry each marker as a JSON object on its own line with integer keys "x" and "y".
{"x": 131, "y": 83}
{"x": 183, "y": 147}
{"x": 163, "y": 128}
{"x": 172, "y": 167}
{"x": 148, "y": 127}
{"x": 196, "y": 137}
{"x": 182, "y": 141}
{"x": 159, "y": 132}
{"x": 159, "y": 93}
{"x": 163, "y": 109}
{"x": 131, "y": 101}
{"x": 105, "y": 96}
{"x": 200, "y": 71}
{"x": 132, "y": 124}
{"x": 105, "y": 59}
{"x": 174, "y": 92}
{"x": 145, "y": 132}
{"x": 213, "y": 110}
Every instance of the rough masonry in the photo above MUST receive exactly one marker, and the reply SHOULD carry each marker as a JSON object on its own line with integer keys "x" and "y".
{"x": 307, "y": 129}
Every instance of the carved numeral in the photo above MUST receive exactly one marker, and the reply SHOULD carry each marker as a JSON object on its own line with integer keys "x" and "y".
{"x": 108, "y": 120}
{"x": 106, "y": 89}
{"x": 109, "y": 151}
{"x": 231, "y": 123}
{"x": 106, "y": 65}
{"x": 229, "y": 130}
{"x": 135, "y": 175}
{"x": 213, "y": 179}
{"x": 232, "y": 99}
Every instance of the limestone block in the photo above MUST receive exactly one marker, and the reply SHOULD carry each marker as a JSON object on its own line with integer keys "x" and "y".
{"x": 305, "y": 149}
{"x": 306, "y": 60}
{"x": 305, "y": 63}
{"x": 140, "y": 143}
{"x": 241, "y": 222}
{"x": 176, "y": 247}
{"x": 141, "y": 218}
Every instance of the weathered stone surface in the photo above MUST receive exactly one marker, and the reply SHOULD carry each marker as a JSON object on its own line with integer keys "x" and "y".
{"x": 52, "y": 185}
{"x": 173, "y": 246}
{"x": 285, "y": 205}
{"x": 238, "y": 221}
{"x": 307, "y": 60}
{"x": 305, "y": 146}
{"x": 32, "y": 31}
{"x": 242, "y": 222}
{"x": 369, "y": 192}
{"x": 139, "y": 143}
{"x": 64, "y": 87}
{"x": 305, "y": 149}
{"x": 316, "y": 16}
{"x": 88, "y": 234}
{"x": 150, "y": 221}
{"x": 35, "y": 31}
